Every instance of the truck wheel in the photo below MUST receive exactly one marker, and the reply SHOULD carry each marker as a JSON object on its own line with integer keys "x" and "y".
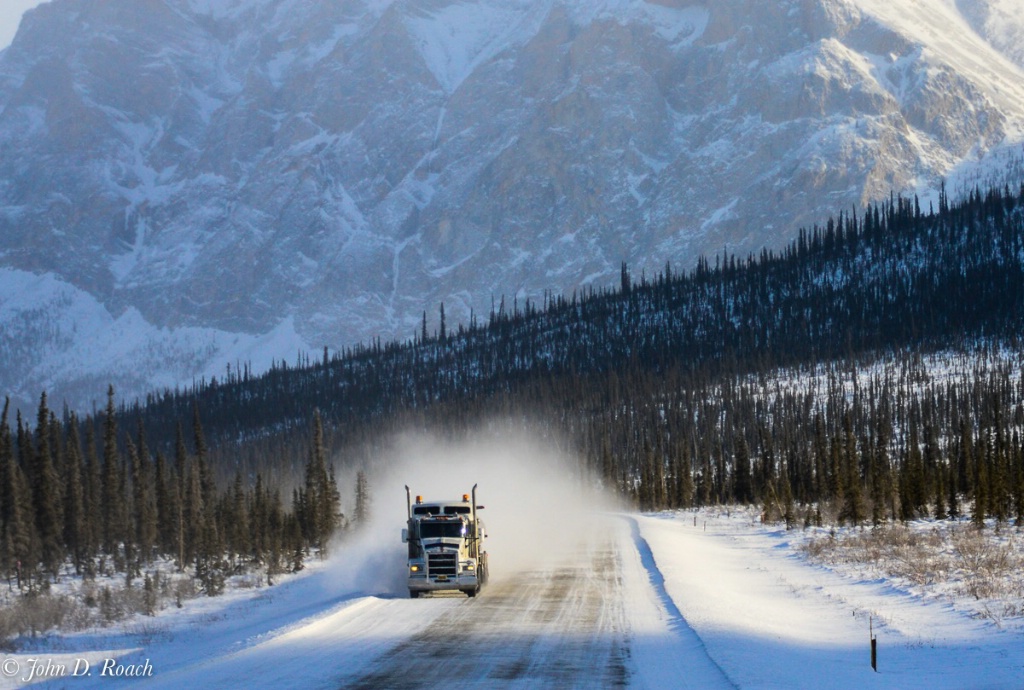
{"x": 413, "y": 594}
{"x": 471, "y": 593}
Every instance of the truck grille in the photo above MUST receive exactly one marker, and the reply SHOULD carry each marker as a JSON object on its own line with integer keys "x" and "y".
{"x": 441, "y": 564}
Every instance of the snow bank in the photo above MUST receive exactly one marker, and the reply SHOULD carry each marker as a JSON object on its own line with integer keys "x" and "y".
{"x": 772, "y": 620}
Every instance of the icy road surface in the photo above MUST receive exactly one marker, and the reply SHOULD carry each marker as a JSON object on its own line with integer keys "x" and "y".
{"x": 590, "y": 619}
{"x": 679, "y": 601}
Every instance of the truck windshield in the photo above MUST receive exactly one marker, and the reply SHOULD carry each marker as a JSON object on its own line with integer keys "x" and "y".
{"x": 440, "y": 529}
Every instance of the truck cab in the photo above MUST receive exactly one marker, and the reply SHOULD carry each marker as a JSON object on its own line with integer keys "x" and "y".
{"x": 445, "y": 540}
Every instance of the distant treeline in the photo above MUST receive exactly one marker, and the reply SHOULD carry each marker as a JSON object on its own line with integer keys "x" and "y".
{"x": 678, "y": 389}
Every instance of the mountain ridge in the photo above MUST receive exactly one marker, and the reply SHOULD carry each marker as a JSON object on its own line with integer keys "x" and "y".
{"x": 230, "y": 177}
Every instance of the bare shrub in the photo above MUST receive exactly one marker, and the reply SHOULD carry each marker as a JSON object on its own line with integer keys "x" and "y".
{"x": 88, "y": 604}
{"x": 819, "y": 549}
{"x": 250, "y": 581}
{"x": 149, "y": 632}
{"x": 895, "y": 550}
{"x": 184, "y": 588}
{"x": 35, "y": 614}
{"x": 949, "y": 561}
{"x": 988, "y": 566}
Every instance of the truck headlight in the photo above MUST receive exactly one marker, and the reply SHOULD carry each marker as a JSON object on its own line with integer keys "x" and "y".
{"x": 469, "y": 566}
{"x": 414, "y": 568}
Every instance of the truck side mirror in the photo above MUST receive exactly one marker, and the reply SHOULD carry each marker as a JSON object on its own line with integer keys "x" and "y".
{"x": 405, "y": 536}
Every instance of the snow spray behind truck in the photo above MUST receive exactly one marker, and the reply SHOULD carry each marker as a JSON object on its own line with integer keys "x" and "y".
{"x": 446, "y": 545}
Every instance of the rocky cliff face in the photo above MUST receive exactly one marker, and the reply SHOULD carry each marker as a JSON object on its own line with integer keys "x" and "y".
{"x": 186, "y": 184}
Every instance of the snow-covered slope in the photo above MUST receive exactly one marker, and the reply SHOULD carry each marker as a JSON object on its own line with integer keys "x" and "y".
{"x": 72, "y": 343}
{"x": 229, "y": 176}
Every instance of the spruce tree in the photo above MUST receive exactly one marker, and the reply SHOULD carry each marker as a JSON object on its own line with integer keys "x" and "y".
{"x": 852, "y": 509}
{"x": 788, "y": 509}
{"x": 953, "y": 498}
{"x": 74, "y": 499}
{"x": 259, "y": 521}
{"x": 92, "y": 498}
{"x": 187, "y": 518}
{"x": 1017, "y": 469}
{"x": 684, "y": 480}
{"x": 940, "y": 494}
{"x": 705, "y": 484}
{"x": 142, "y": 527}
{"x": 998, "y": 492}
{"x": 981, "y": 498}
{"x": 166, "y": 516}
{"x": 239, "y": 520}
{"x": 319, "y": 502}
{"x": 129, "y": 545}
{"x": 145, "y": 500}
{"x": 276, "y": 546}
{"x": 823, "y": 485}
{"x": 656, "y": 458}
{"x": 113, "y": 500}
{"x": 16, "y": 513}
{"x": 913, "y": 489}
{"x": 46, "y": 496}
{"x": 879, "y": 471}
{"x": 362, "y": 512}
{"x": 19, "y": 532}
{"x": 336, "y": 519}
{"x": 6, "y": 491}
{"x": 211, "y": 535}
{"x": 965, "y": 469}
{"x": 744, "y": 491}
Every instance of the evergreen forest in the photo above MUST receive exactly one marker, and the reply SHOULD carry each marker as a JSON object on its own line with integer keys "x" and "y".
{"x": 870, "y": 371}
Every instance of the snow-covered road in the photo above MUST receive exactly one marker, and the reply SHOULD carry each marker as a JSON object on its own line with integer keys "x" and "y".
{"x": 562, "y": 626}
{"x": 639, "y": 601}
{"x": 587, "y": 619}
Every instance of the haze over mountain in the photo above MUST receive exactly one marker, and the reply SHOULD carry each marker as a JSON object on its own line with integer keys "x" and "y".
{"x": 190, "y": 184}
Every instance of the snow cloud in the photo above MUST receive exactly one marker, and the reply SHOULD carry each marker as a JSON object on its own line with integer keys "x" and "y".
{"x": 536, "y": 504}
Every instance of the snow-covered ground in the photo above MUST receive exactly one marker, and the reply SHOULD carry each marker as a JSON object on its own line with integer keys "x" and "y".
{"x": 694, "y": 599}
{"x": 772, "y": 619}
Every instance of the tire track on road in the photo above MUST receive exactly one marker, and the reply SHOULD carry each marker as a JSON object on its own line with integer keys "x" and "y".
{"x": 561, "y": 627}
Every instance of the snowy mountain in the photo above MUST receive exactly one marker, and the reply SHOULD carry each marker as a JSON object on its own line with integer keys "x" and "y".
{"x": 190, "y": 184}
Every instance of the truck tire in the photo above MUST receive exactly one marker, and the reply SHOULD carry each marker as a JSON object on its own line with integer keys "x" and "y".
{"x": 414, "y": 594}
{"x": 471, "y": 592}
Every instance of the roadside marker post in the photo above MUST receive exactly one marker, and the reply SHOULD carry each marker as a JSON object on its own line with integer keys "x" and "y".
{"x": 874, "y": 644}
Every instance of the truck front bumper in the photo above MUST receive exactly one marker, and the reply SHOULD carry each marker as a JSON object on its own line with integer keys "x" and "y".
{"x": 442, "y": 583}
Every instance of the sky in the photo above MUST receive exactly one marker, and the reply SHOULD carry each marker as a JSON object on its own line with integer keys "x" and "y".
{"x": 10, "y": 15}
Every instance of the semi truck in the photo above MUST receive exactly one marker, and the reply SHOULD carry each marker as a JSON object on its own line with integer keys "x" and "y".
{"x": 446, "y": 545}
